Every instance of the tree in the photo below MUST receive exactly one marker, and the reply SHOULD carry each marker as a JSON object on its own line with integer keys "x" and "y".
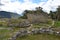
{"x": 58, "y": 13}
{"x": 39, "y": 9}
{"x": 24, "y": 16}
{"x": 53, "y": 15}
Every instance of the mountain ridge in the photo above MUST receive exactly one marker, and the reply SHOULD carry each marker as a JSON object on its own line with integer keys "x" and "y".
{"x": 5, "y": 14}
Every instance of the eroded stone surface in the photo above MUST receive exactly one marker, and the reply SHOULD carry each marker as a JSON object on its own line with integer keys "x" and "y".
{"x": 24, "y": 32}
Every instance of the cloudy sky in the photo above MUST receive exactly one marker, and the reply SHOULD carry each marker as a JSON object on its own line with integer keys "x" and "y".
{"x": 19, "y": 6}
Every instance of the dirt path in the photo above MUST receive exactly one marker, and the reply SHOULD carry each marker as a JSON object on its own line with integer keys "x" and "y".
{"x": 5, "y": 28}
{"x": 53, "y": 22}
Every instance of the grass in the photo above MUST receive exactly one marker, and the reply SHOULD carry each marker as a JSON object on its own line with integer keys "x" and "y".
{"x": 39, "y": 37}
{"x": 40, "y": 25}
{"x": 57, "y": 24}
{"x": 4, "y": 34}
{"x": 47, "y": 24}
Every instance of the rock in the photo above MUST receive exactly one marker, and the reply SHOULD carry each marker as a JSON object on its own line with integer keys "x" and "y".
{"x": 23, "y": 32}
{"x": 57, "y": 33}
{"x": 45, "y": 30}
{"x": 35, "y": 31}
{"x": 25, "y": 24}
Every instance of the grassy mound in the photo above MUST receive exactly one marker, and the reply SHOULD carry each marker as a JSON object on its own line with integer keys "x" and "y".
{"x": 39, "y": 37}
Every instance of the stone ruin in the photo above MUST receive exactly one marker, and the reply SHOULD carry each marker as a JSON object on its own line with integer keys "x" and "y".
{"x": 20, "y": 33}
{"x": 23, "y": 32}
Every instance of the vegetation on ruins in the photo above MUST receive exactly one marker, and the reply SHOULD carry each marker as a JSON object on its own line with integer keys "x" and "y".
{"x": 10, "y": 26}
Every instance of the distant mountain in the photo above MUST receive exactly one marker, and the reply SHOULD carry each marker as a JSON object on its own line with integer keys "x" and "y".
{"x": 4, "y": 14}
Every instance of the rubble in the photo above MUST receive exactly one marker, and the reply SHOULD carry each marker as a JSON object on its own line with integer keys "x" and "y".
{"x": 21, "y": 33}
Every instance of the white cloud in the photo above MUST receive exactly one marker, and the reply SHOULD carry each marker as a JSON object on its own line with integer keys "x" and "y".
{"x": 19, "y": 7}
{"x": 51, "y": 5}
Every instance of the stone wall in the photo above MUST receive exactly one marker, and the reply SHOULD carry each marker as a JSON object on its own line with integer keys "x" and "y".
{"x": 37, "y": 18}
{"x": 25, "y": 32}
